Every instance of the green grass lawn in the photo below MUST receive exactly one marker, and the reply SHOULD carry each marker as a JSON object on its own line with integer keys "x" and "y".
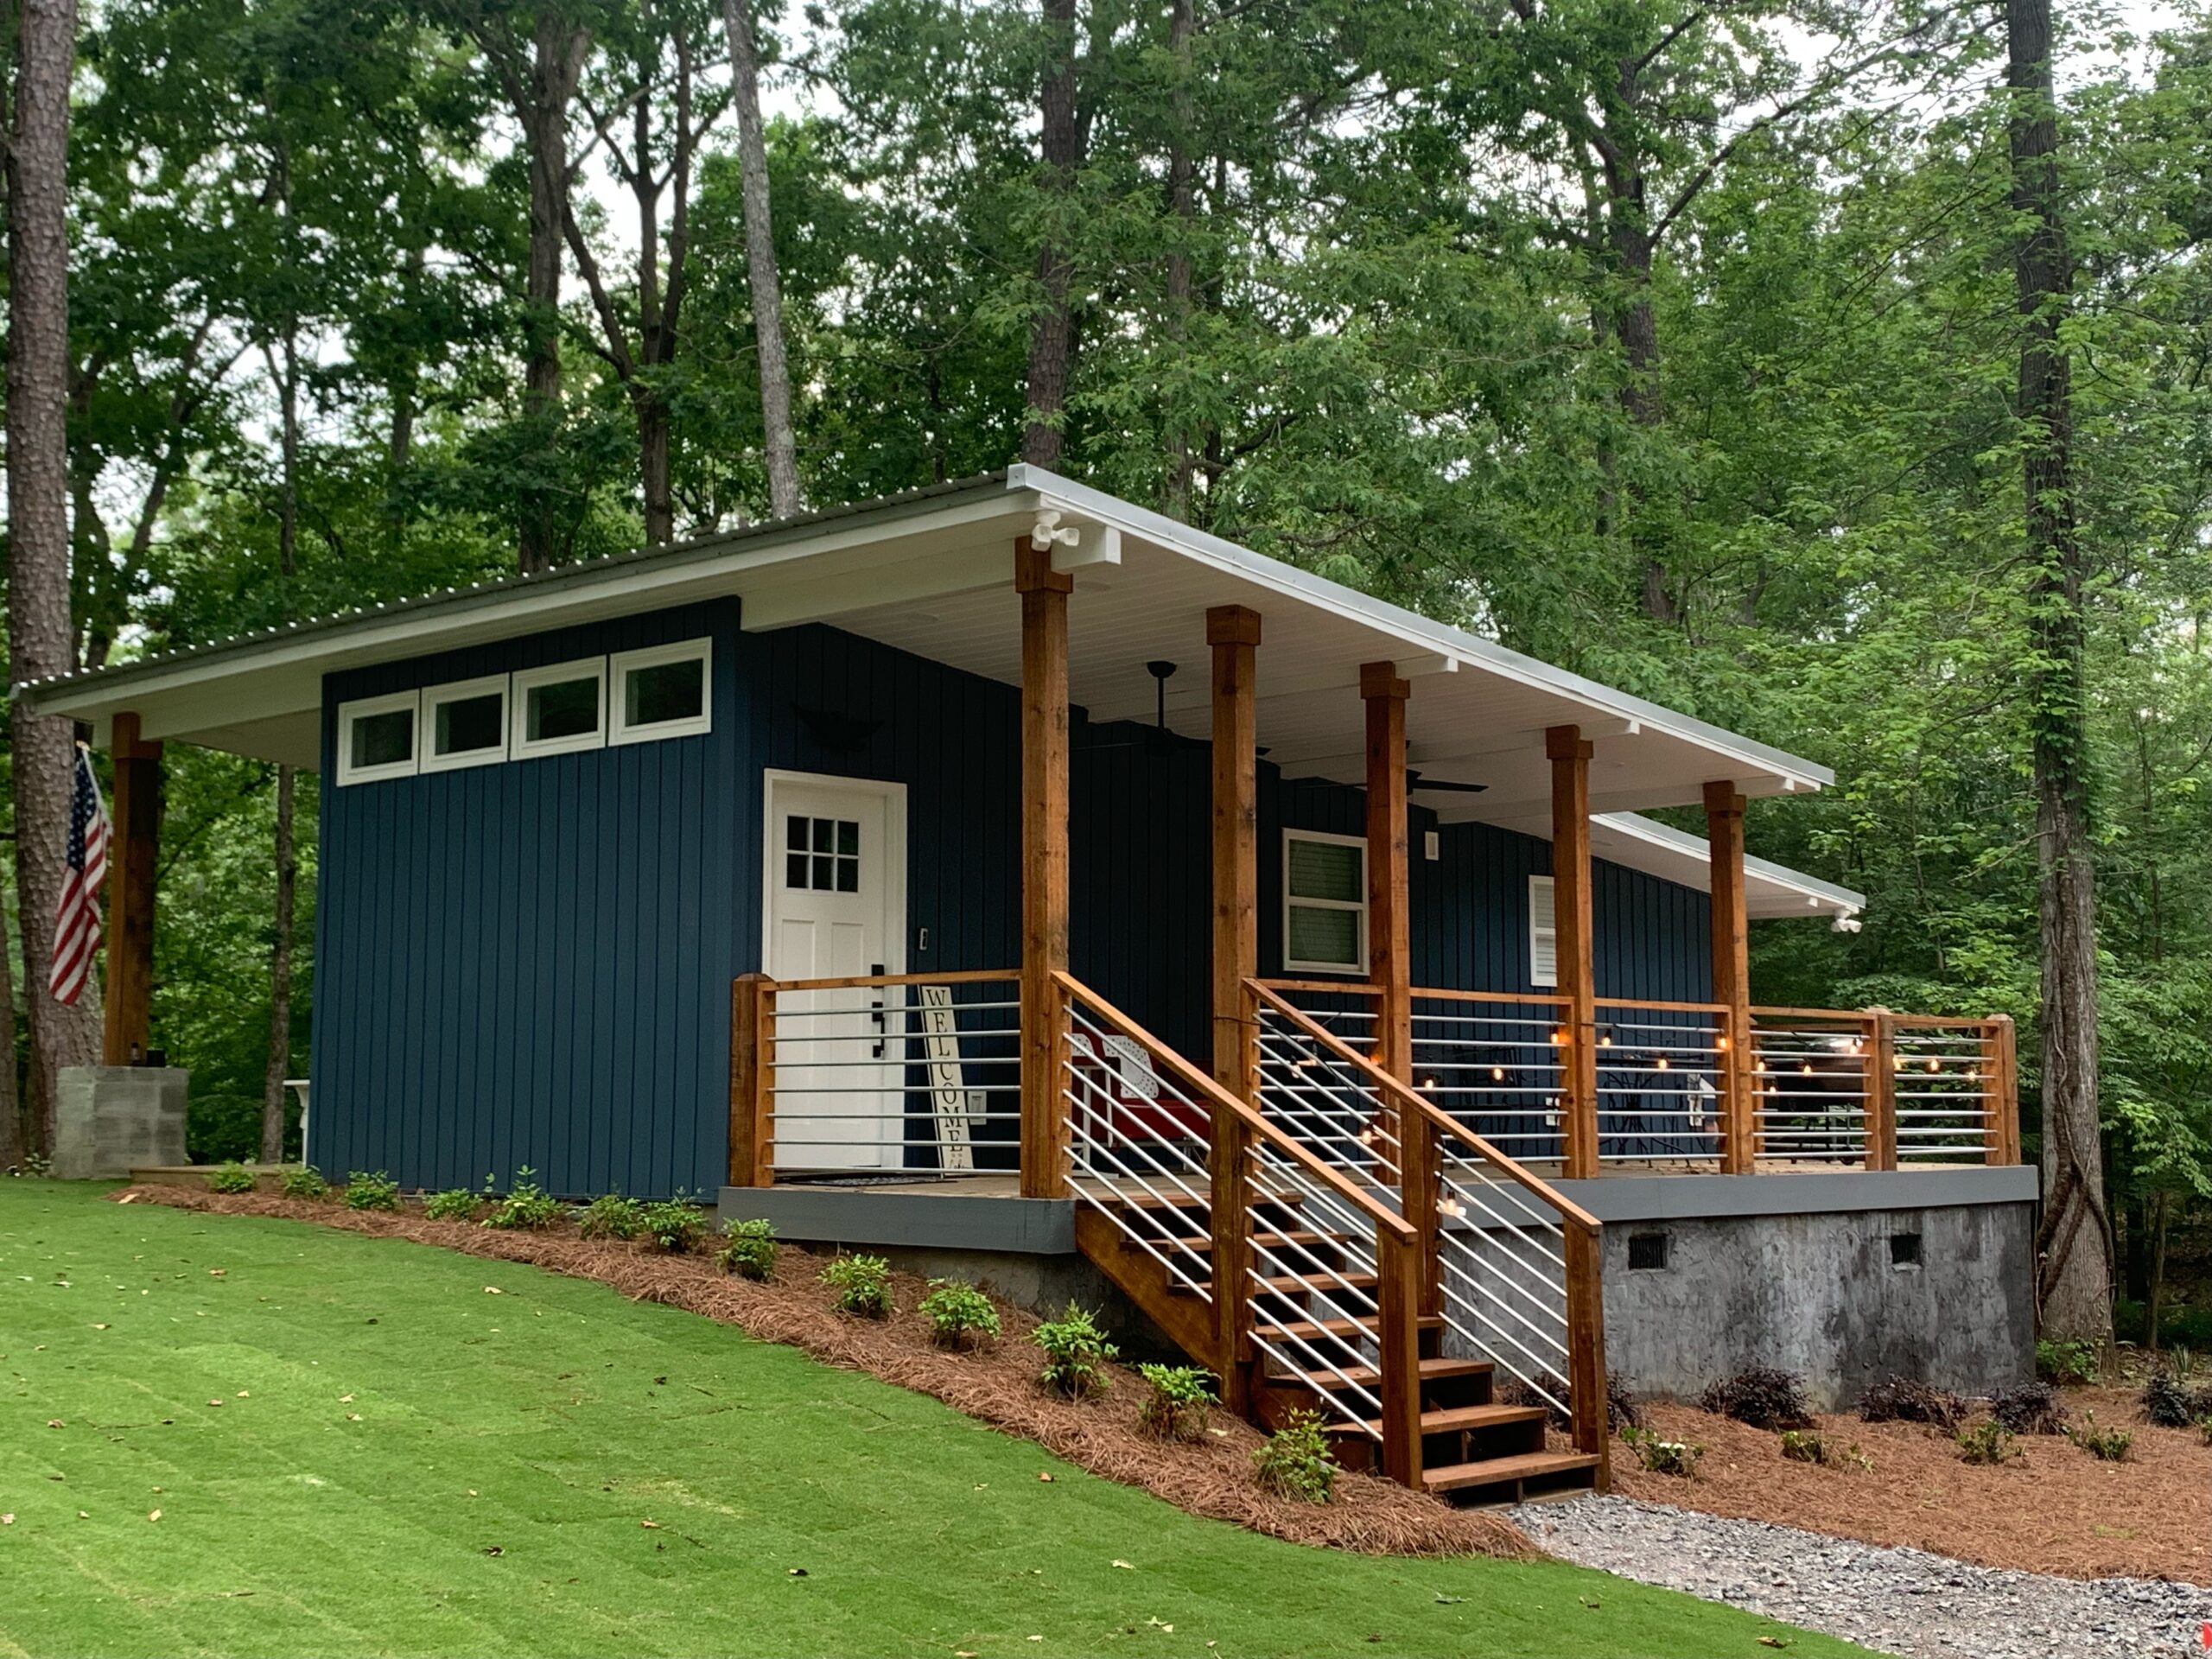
{"x": 402, "y": 1463}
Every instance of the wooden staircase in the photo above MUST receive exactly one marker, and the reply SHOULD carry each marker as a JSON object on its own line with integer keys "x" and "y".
{"x": 1292, "y": 1280}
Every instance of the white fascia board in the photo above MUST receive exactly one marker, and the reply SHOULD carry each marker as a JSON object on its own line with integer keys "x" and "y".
{"x": 649, "y": 580}
{"x": 1420, "y": 632}
{"x": 1823, "y": 897}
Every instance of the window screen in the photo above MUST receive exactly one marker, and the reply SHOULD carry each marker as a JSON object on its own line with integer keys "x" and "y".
{"x": 1325, "y": 903}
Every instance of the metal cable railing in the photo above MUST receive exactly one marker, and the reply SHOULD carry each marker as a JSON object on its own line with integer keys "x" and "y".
{"x": 1661, "y": 1071}
{"x": 1494, "y": 1064}
{"x": 1810, "y": 1086}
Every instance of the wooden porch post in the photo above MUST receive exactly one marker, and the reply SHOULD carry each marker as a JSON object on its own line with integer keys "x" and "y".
{"x": 128, "y": 1008}
{"x": 1044, "y": 863}
{"x": 1731, "y": 973}
{"x": 1880, "y": 1104}
{"x": 1569, "y": 752}
{"x": 2001, "y": 1089}
{"x": 752, "y": 1069}
{"x": 1233, "y": 633}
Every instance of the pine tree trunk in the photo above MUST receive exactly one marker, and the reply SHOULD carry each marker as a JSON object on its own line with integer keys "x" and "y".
{"x": 11, "y": 1104}
{"x": 1182, "y": 208}
{"x": 2074, "y": 1243}
{"x": 778, "y": 441}
{"x": 1052, "y": 333}
{"x": 40, "y": 636}
{"x": 557, "y": 61}
{"x": 280, "y": 980}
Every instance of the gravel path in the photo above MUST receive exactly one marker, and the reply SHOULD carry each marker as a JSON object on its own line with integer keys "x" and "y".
{"x": 1900, "y": 1601}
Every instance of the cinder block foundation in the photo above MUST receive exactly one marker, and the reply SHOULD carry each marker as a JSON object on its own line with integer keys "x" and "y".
{"x": 110, "y": 1119}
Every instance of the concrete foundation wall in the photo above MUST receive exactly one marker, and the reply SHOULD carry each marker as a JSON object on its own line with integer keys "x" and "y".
{"x": 108, "y": 1118}
{"x": 1820, "y": 1295}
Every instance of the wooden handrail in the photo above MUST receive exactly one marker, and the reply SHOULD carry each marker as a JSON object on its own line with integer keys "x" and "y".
{"x": 1337, "y": 987}
{"x": 856, "y": 981}
{"x": 1444, "y": 994}
{"x": 1191, "y": 1078}
{"x": 1854, "y": 1015}
{"x": 1430, "y": 1111}
{"x": 1660, "y": 1007}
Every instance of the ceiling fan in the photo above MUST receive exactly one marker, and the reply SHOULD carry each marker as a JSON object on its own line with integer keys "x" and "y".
{"x": 1157, "y": 737}
{"x": 1415, "y": 780}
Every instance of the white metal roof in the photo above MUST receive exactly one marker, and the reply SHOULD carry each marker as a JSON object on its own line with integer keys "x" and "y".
{"x": 931, "y": 572}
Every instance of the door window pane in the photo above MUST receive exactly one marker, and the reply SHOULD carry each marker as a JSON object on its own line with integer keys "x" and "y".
{"x": 824, "y": 855}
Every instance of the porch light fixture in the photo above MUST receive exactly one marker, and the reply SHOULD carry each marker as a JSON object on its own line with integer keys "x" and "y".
{"x": 1048, "y": 532}
{"x": 1662, "y": 1063}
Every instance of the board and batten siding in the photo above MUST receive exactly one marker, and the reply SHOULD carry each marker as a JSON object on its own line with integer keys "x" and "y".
{"x": 528, "y": 963}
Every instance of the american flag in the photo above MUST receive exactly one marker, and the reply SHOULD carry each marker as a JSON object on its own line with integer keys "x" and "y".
{"x": 77, "y": 917}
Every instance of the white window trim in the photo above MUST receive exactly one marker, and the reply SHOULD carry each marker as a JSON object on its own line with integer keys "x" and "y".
{"x": 1542, "y": 884}
{"x": 390, "y": 702}
{"x": 684, "y": 651}
{"x": 519, "y": 745}
{"x": 1294, "y": 964}
{"x": 426, "y": 724}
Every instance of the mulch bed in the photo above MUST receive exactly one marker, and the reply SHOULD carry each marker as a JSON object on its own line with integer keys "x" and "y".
{"x": 1212, "y": 1477}
{"x": 2054, "y": 1509}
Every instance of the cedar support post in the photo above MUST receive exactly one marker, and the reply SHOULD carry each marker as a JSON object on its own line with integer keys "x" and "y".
{"x": 1585, "y": 1336}
{"x": 1233, "y": 634}
{"x": 1569, "y": 752}
{"x": 1398, "y": 1266}
{"x": 1390, "y": 954}
{"x": 2000, "y": 1083}
{"x": 1044, "y": 863}
{"x": 1732, "y": 975}
{"x": 128, "y": 1006}
{"x": 1881, "y": 1102}
{"x": 752, "y": 1072}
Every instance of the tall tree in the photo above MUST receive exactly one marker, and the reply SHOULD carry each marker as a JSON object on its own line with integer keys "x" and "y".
{"x": 1062, "y": 138}
{"x": 778, "y": 441}
{"x": 40, "y": 640}
{"x": 2074, "y": 1244}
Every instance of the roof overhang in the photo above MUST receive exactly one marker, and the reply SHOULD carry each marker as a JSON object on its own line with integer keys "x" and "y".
{"x": 1772, "y": 891}
{"x": 931, "y": 573}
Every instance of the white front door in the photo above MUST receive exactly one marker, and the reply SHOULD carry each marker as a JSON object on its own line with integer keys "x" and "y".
{"x": 837, "y": 910}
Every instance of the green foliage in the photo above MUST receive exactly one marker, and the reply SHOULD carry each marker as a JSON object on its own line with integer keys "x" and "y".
{"x": 1076, "y": 1354}
{"x": 2106, "y": 1445}
{"x": 2066, "y": 1363}
{"x": 674, "y": 1225}
{"x": 958, "y": 1311}
{"x": 527, "y": 1208}
{"x": 1174, "y": 1405}
{"x": 303, "y": 1181}
{"x": 749, "y": 1247}
{"x": 364, "y": 1191}
{"x": 1661, "y": 1455}
{"x": 1804, "y": 1445}
{"x": 1986, "y": 1442}
{"x": 863, "y": 1284}
{"x": 612, "y": 1216}
{"x": 230, "y": 1177}
{"x": 456, "y": 1203}
{"x": 1295, "y": 1462}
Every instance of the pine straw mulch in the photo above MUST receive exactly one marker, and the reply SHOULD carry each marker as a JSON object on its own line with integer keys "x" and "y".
{"x": 1213, "y": 1477}
{"x": 2054, "y": 1509}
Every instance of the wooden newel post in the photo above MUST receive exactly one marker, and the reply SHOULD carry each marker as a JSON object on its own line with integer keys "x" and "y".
{"x": 1881, "y": 1042}
{"x": 1569, "y": 754}
{"x": 751, "y": 1074}
{"x": 129, "y": 992}
{"x": 1732, "y": 975}
{"x": 1586, "y": 1328}
{"x": 1044, "y": 863}
{"x": 1233, "y": 636}
{"x": 1228, "y": 1157}
{"x": 1398, "y": 1263}
{"x": 2001, "y": 1089}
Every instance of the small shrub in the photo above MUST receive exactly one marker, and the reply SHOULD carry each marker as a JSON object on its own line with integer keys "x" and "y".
{"x": 1622, "y": 1410}
{"x": 1905, "y": 1400}
{"x": 1852, "y": 1458}
{"x": 1762, "y": 1397}
{"x": 863, "y": 1284}
{"x": 1988, "y": 1443}
{"x": 2166, "y": 1403}
{"x": 611, "y": 1216}
{"x": 234, "y": 1177}
{"x": 675, "y": 1225}
{"x": 2204, "y": 1429}
{"x": 364, "y": 1191}
{"x": 528, "y": 1207}
{"x": 1076, "y": 1353}
{"x": 958, "y": 1311}
{"x": 1176, "y": 1407}
{"x": 2031, "y": 1408}
{"x": 1661, "y": 1455}
{"x": 1295, "y": 1461}
{"x": 456, "y": 1203}
{"x": 1804, "y": 1445}
{"x": 2066, "y": 1363}
{"x": 748, "y": 1248}
{"x": 2105, "y": 1444}
{"x": 304, "y": 1182}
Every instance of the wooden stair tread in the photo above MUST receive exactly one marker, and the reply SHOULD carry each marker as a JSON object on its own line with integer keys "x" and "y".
{"x": 1493, "y": 1471}
{"x": 1323, "y": 1282}
{"x": 1431, "y": 1370}
{"x": 1203, "y": 1243}
{"x": 1364, "y": 1326}
{"x": 1450, "y": 1419}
